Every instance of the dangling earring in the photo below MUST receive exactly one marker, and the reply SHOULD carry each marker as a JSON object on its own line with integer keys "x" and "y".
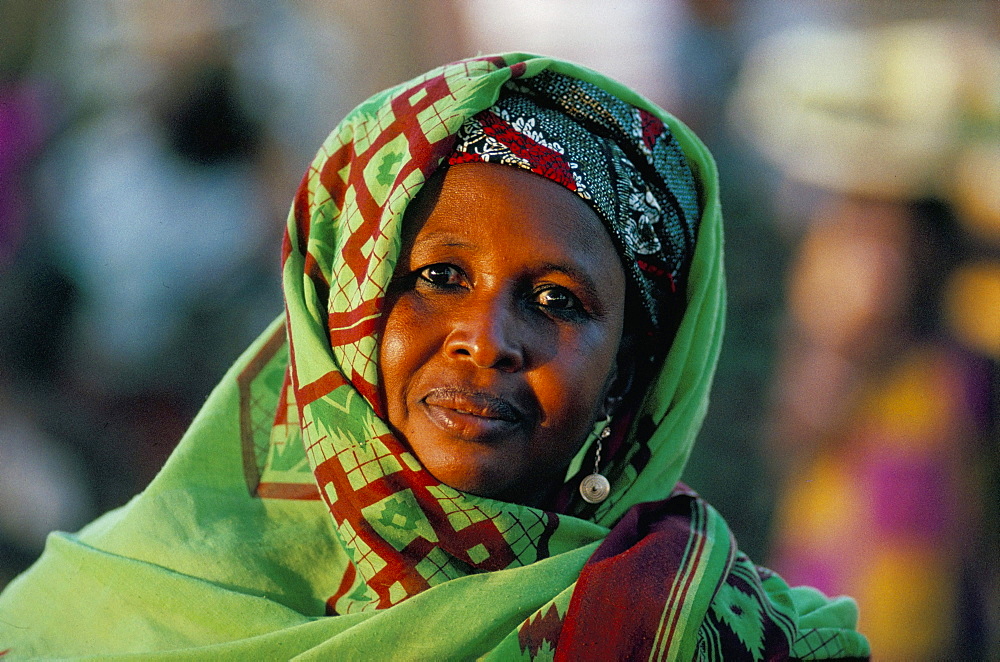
{"x": 595, "y": 488}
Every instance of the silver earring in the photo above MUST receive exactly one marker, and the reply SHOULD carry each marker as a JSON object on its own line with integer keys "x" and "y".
{"x": 595, "y": 488}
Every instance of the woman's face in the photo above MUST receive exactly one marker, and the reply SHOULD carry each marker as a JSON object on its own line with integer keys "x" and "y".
{"x": 501, "y": 331}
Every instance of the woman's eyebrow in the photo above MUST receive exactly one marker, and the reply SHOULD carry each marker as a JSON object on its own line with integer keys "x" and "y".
{"x": 444, "y": 239}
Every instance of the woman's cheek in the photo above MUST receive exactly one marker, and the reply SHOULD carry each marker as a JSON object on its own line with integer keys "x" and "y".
{"x": 396, "y": 345}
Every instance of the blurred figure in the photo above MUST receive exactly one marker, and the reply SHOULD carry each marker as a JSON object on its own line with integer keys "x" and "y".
{"x": 135, "y": 238}
{"x": 40, "y": 488}
{"x": 160, "y": 222}
{"x": 880, "y": 421}
{"x": 884, "y": 406}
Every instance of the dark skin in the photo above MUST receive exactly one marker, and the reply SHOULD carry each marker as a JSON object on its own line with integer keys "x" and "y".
{"x": 502, "y": 332}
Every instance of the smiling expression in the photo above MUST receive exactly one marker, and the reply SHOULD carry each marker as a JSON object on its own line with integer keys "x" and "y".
{"x": 502, "y": 327}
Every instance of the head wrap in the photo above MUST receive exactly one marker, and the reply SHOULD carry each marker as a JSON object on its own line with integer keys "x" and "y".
{"x": 344, "y": 238}
{"x": 622, "y": 160}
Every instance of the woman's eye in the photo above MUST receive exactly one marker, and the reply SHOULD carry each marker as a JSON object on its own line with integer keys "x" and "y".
{"x": 441, "y": 275}
{"x": 558, "y": 299}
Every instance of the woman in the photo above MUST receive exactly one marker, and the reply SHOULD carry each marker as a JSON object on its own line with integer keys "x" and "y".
{"x": 493, "y": 291}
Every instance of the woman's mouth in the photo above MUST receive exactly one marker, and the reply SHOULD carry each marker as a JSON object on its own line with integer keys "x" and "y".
{"x": 472, "y": 415}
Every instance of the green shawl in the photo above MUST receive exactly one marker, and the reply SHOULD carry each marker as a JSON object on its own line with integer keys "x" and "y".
{"x": 290, "y": 523}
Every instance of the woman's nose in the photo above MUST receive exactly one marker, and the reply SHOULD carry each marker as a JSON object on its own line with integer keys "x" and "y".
{"x": 490, "y": 336}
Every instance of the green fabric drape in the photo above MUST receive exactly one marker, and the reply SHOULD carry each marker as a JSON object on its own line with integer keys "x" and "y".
{"x": 289, "y": 522}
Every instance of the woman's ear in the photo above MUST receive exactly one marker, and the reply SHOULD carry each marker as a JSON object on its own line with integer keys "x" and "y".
{"x": 621, "y": 383}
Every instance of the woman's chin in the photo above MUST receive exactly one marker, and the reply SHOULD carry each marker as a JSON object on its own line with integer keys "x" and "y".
{"x": 473, "y": 478}
{"x": 493, "y": 480}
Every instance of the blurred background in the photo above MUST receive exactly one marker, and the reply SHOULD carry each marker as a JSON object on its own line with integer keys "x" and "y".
{"x": 149, "y": 150}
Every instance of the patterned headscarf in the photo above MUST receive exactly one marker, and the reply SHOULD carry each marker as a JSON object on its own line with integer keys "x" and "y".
{"x": 620, "y": 159}
{"x": 403, "y": 529}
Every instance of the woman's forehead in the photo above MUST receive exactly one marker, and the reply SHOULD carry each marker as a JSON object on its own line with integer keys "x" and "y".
{"x": 485, "y": 190}
{"x": 480, "y": 205}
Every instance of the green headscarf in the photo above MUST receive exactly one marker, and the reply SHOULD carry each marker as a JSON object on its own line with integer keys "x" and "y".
{"x": 289, "y": 522}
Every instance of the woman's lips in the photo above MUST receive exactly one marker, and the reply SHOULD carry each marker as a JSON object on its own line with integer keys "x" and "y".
{"x": 472, "y": 415}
